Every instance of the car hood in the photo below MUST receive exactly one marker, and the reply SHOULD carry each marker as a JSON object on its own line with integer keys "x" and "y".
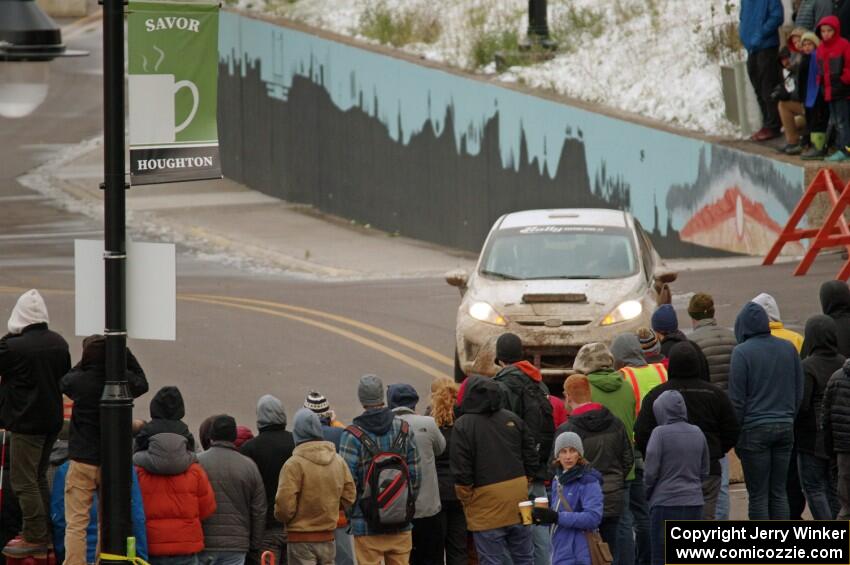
{"x": 603, "y": 295}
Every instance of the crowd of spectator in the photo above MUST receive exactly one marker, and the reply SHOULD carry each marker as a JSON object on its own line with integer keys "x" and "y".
{"x": 803, "y": 87}
{"x": 494, "y": 470}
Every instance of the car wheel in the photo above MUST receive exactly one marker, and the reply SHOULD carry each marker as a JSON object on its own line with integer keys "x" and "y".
{"x": 460, "y": 376}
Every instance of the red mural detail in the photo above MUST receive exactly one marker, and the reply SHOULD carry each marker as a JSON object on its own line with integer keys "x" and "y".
{"x": 712, "y": 215}
{"x": 721, "y": 224}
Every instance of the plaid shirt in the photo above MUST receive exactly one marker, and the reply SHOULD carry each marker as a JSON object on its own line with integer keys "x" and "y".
{"x": 352, "y": 452}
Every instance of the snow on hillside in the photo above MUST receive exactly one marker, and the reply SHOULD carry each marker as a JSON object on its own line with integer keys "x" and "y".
{"x": 656, "y": 58}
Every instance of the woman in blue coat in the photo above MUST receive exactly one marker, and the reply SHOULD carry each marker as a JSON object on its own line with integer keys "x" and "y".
{"x": 581, "y": 486}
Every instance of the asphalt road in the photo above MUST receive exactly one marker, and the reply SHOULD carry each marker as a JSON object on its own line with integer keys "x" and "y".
{"x": 242, "y": 335}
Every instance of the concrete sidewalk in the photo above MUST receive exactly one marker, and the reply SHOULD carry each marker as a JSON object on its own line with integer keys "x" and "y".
{"x": 223, "y": 221}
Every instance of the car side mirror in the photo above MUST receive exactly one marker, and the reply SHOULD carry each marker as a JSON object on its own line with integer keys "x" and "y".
{"x": 458, "y": 278}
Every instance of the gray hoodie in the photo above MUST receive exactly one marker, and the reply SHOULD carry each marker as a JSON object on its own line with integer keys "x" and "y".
{"x": 770, "y": 306}
{"x": 677, "y": 458}
{"x": 167, "y": 454}
{"x": 430, "y": 443}
{"x": 307, "y": 427}
{"x": 270, "y": 412}
{"x": 627, "y": 351}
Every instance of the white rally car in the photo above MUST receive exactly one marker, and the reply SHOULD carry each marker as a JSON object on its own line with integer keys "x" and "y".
{"x": 558, "y": 279}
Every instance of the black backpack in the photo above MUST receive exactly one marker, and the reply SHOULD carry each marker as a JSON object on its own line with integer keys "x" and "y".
{"x": 538, "y": 418}
{"x": 387, "y": 501}
{"x": 535, "y": 410}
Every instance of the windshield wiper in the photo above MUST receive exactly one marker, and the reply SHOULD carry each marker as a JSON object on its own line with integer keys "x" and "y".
{"x": 499, "y": 275}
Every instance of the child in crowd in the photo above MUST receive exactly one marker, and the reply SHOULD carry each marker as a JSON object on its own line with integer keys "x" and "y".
{"x": 677, "y": 462}
{"x": 833, "y": 56}
{"x": 575, "y": 506}
{"x": 811, "y": 95}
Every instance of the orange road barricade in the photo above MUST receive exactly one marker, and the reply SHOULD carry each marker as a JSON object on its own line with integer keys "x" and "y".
{"x": 834, "y": 231}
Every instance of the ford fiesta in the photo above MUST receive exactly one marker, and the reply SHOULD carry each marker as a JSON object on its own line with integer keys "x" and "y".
{"x": 558, "y": 279}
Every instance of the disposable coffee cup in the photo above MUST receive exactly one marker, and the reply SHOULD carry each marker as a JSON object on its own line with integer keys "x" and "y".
{"x": 541, "y": 502}
{"x": 525, "y": 511}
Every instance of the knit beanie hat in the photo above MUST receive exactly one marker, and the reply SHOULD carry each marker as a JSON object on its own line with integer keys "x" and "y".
{"x": 30, "y": 309}
{"x": 701, "y": 306}
{"x": 508, "y": 348}
{"x": 569, "y": 439}
{"x": 370, "y": 391}
{"x": 648, "y": 341}
{"x": 664, "y": 319}
{"x": 223, "y": 429}
{"x": 317, "y": 402}
{"x": 810, "y": 36}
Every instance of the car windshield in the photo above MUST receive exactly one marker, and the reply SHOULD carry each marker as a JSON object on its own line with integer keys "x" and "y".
{"x": 559, "y": 252}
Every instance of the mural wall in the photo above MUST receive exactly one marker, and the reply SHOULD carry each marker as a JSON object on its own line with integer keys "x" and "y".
{"x": 437, "y": 156}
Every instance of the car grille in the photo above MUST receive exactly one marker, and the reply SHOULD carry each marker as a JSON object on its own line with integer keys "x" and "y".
{"x": 552, "y": 357}
{"x": 551, "y": 322}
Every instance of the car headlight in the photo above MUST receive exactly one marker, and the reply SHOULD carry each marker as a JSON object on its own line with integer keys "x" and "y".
{"x": 628, "y": 310}
{"x": 483, "y": 312}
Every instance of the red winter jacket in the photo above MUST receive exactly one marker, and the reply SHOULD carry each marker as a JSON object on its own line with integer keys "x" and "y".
{"x": 834, "y": 63}
{"x": 176, "y": 496}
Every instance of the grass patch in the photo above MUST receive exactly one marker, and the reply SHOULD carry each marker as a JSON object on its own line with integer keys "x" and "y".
{"x": 486, "y": 44}
{"x": 398, "y": 28}
{"x": 577, "y": 21}
{"x": 723, "y": 43}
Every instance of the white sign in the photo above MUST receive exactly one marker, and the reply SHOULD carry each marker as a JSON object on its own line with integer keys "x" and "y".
{"x": 151, "y": 289}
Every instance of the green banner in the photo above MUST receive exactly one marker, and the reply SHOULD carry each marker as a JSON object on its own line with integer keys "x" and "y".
{"x": 172, "y": 84}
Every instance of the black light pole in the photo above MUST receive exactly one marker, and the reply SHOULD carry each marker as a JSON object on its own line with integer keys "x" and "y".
{"x": 538, "y": 23}
{"x": 116, "y": 405}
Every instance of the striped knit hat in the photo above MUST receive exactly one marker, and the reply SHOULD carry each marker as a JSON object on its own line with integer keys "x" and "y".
{"x": 648, "y": 341}
{"x": 317, "y": 402}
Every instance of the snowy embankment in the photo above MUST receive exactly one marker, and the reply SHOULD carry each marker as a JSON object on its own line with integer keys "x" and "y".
{"x": 656, "y": 58}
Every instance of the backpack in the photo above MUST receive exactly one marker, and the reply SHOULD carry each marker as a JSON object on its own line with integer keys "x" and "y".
{"x": 534, "y": 409}
{"x": 537, "y": 415}
{"x": 387, "y": 501}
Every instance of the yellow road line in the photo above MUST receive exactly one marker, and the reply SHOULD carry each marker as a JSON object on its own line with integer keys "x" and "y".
{"x": 397, "y": 355}
{"x": 428, "y": 352}
{"x": 224, "y": 301}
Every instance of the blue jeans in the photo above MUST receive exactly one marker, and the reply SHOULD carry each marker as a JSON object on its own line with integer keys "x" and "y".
{"x": 657, "y": 516}
{"x": 493, "y": 545}
{"x": 174, "y": 560}
{"x": 839, "y": 113}
{"x": 222, "y": 558}
{"x": 722, "y": 510}
{"x": 540, "y": 534}
{"x": 818, "y": 486}
{"x": 633, "y": 541}
{"x": 765, "y": 453}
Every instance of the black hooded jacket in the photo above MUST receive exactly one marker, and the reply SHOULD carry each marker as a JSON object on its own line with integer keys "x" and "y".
{"x": 167, "y": 412}
{"x": 835, "y": 420}
{"x": 822, "y": 362}
{"x": 708, "y": 406}
{"x": 84, "y": 385}
{"x": 31, "y": 365}
{"x": 835, "y": 303}
{"x": 501, "y": 446}
{"x": 608, "y": 449}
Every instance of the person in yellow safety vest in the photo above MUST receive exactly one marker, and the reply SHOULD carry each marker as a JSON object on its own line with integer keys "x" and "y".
{"x": 629, "y": 360}
{"x": 777, "y": 328}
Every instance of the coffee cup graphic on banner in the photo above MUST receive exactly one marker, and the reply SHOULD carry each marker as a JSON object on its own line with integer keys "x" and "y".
{"x": 152, "y": 111}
